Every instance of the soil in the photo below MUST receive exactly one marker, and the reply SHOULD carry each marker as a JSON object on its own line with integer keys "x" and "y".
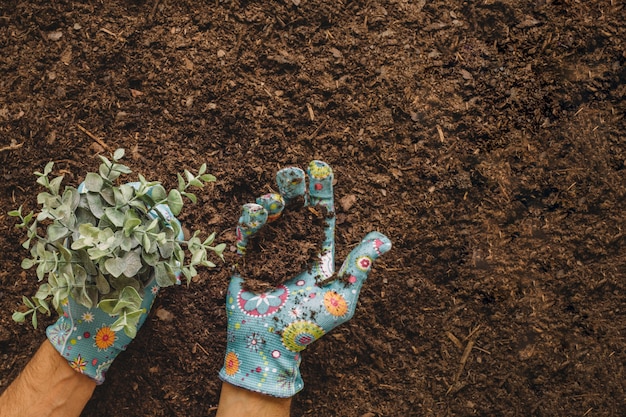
{"x": 283, "y": 248}
{"x": 486, "y": 139}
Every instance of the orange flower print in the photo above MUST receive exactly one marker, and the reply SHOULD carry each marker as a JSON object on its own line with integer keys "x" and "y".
{"x": 335, "y": 304}
{"x": 105, "y": 337}
{"x": 79, "y": 364}
{"x": 231, "y": 363}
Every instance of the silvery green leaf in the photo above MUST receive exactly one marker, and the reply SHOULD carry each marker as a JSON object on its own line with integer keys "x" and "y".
{"x": 15, "y": 213}
{"x": 65, "y": 253}
{"x": 107, "y": 195}
{"x": 191, "y": 196}
{"x": 19, "y": 317}
{"x": 166, "y": 249}
{"x": 130, "y": 223}
{"x": 47, "y": 200}
{"x": 81, "y": 296}
{"x": 122, "y": 169}
{"x": 27, "y": 263}
{"x": 196, "y": 183}
{"x": 34, "y": 319}
{"x": 202, "y": 169}
{"x": 71, "y": 198}
{"x": 27, "y": 302}
{"x": 189, "y": 176}
{"x": 115, "y": 266}
{"x": 93, "y": 182}
{"x": 115, "y": 216}
{"x": 208, "y": 178}
{"x": 96, "y": 204}
{"x": 197, "y": 256}
{"x": 48, "y": 168}
{"x": 158, "y": 193}
{"x": 162, "y": 277}
{"x": 118, "y": 154}
{"x": 55, "y": 185}
{"x": 133, "y": 264}
{"x": 181, "y": 182}
{"x": 43, "y": 292}
{"x": 60, "y": 294}
{"x": 57, "y": 231}
{"x": 209, "y": 239}
{"x": 219, "y": 249}
{"x": 175, "y": 201}
{"x": 150, "y": 258}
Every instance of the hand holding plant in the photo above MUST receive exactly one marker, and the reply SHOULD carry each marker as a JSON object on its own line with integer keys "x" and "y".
{"x": 105, "y": 251}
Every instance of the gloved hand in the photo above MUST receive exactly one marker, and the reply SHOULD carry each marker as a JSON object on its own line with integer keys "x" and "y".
{"x": 267, "y": 331}
{"x": 84, "y": 337}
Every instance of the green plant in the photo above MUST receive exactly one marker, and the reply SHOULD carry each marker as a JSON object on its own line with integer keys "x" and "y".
{"x": 101, "y": 242}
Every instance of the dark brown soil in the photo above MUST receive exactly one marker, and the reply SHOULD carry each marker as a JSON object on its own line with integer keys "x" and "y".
{"x": 283, "y": 248}
{"x": 485, "y": 138}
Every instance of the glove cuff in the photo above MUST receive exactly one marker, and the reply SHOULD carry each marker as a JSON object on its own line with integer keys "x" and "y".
{"x": 270, "y": 373}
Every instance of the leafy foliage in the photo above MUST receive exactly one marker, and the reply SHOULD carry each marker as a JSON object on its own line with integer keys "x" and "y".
{"x": 103, "y": 243}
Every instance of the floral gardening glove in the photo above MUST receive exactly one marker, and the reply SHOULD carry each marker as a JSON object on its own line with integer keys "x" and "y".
{"x": 84, "y": 336}
{"x": 267, "y": 331}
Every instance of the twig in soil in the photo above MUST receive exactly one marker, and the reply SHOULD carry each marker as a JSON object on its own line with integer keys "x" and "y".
{"x": 442, "y": 138}
{"x": 116, "y": 36}
{"x": 316, "y": 131}
{"x": 94, "y": 137}
{"x": 13, "y": 146}
{"x": 201, "y": 348}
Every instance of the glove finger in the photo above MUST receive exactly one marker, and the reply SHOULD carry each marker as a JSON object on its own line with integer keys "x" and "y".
{"x": 359, "y": 262}
{"x": 253, "y": 217}
{"x": 273, "y": 203}
{"x": 321, "y": 193}
{"x": 291, "y": 183}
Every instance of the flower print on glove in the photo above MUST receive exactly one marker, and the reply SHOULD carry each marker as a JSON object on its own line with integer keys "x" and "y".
{"x": 268, "y": 331}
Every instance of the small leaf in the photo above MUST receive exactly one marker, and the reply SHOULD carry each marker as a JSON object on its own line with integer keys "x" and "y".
{"x": 209, "y": 239}
{"x": 48, "y": 168}
{"x": 133, "y": 264}
{"x": 19, "y": 316}
{"x": 202, "y": 169}
{"x": 157, "y": 192}
{"x": 15, "y": 213}
{"x": 27, "y": 302}
{"x": 55, "y": 184}
{"x": 34, "y": 319}
{"x": 190, "y": 196}
{"x": 208, "y": 178}
{"x": 115, "y": 266}
{"x": 118, "y": 154}
{"x": 57, "y": 231}
{"x": 93, "y": 182}
{"x": 175, "y": 201}
{"x": 219, "y": 249}
{"x": 27, "y": 263}
{"x": 163, "y": 279}
{"x": 116, "y": 216}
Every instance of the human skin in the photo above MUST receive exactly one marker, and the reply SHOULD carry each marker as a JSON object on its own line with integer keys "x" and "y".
{"x": 49, "y": 387}
{"x": 235, "y": 401}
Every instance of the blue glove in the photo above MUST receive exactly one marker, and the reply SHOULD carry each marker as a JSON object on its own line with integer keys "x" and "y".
{"x": 84, "y": 337}
{"x": 267, "y": 331}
